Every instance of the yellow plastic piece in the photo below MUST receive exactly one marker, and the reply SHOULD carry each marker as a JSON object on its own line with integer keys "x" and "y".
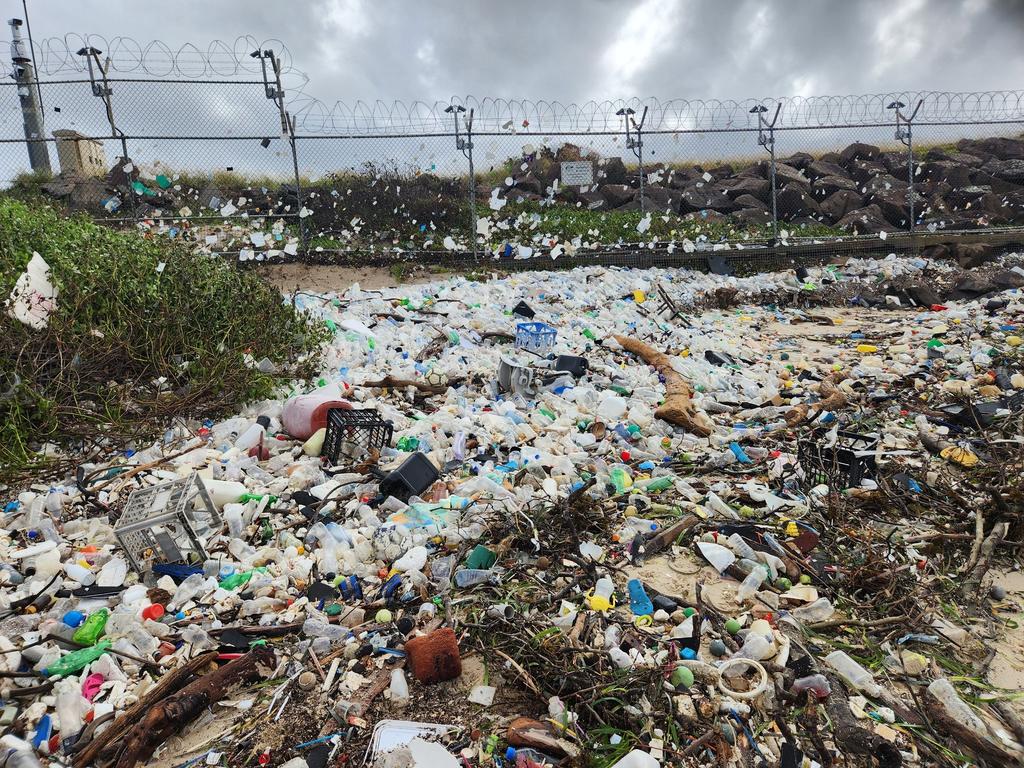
{"x": 867, "y": 348}
{"x": 958, "y": 455}
{"x": 1014, "y": 341}
{"x": 639, "y": 297}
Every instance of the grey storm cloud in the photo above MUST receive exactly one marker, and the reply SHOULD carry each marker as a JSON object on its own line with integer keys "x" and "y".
{"x": 576, "y": 50}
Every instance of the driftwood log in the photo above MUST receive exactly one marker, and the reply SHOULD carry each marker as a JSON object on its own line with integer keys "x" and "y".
{"x": 171, "y": 682}
{"x": 170, "y": 715}
{"x": 678, "y": 407}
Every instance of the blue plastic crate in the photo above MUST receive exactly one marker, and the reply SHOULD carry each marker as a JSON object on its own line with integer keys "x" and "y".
{"x": 536, "y": 337}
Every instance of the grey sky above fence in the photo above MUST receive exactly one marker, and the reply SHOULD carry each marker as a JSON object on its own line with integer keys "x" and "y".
{"x": 576, "y": 50}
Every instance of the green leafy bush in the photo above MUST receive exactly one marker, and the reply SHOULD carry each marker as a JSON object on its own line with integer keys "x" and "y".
{"x": 145, "y": 330}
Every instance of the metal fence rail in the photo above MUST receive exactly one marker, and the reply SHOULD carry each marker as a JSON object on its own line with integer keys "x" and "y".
{"x": 224, "y": 146}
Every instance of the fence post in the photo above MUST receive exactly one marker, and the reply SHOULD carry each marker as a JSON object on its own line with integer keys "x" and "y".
{"x": 635, "y": 142}
{"x": 766, "y": 139}
{"x": 904, "y": 134}
{"x": 465, "y": 146}
{"x": 275, "y": 92}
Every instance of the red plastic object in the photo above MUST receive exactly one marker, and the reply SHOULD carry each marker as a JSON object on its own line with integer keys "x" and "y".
{"x": 153, "y": 612}
{"x": 938, "y": 308}
{"x": 625, "y": 455}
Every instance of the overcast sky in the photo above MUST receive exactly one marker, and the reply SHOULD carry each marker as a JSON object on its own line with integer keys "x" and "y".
{"x": 575, "y": 50}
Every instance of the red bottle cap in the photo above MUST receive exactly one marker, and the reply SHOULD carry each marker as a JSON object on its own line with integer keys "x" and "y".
{"x": 153, "y": 612}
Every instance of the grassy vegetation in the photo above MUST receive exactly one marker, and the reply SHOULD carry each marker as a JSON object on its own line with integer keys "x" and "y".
{"x": 145, "y": 331}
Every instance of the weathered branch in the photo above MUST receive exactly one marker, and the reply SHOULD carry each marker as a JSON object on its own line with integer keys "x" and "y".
{"x": 678, "y": 407}
{"x": 172, "y": 714}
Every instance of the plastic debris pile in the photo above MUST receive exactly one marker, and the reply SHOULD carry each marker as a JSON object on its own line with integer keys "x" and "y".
{"x": 602, "y": 517}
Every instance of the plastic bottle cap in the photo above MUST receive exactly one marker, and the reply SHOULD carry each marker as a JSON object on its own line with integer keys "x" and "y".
{"x": 153, "y": 612}
{"x": 263, "y": 421}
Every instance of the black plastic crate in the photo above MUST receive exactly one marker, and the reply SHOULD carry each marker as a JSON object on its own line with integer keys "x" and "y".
{"x": 842, "y": 465}
{"x": 415, "y": 475}
{"x": 353, "y": 434}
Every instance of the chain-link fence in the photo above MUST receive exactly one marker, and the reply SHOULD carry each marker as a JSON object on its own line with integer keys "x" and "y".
{"x": 246, "y": 167}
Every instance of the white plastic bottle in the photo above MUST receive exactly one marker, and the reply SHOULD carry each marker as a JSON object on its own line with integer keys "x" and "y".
{"x": 637, "y": 758}
{"x": 399, "y": 688}
{"x": 253, "y": 435}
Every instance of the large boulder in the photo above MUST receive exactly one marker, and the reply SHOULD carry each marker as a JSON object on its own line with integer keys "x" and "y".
{"x": 616, "y": 195}
{"x": 612, "y": 171}
{"x": 679, "y": 178}
{"x": 787, "y": 174}
{"x": 793, "y": 202}
{"x": 749, "y": 201}
{"x": 963, "y": 198}
{"x": 895, "y": 163}
{"x": 840, "y": 203}
{"x": 999, "y": 147}
{"x": 798, "y": 160}
{"x": 1006, "y": 170}
{"x": 866, "y": 221}
{"x": 952, "y": 156}
{"x": 858, "y": 151}
{"x": 884, "y": 183}
{"x": 593, "y": 201}
{"x": 828, "y": 185}
{"x": 954, "y": 174}
{"x": 893, "y": 205}
{"x": 747, "y": 185}
{"x": 701, "y": 196}
{"x": 657, "y": 198}
{"x": 863, "y": 171}
{"x": 752, "y": 217}
{"x": 819, "y": 168}
{"x": 567, "y": 153}
{"x": 530, "y": 183}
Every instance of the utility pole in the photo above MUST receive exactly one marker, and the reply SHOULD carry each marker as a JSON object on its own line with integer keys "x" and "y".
{"x": 905, "y": 135}
{"x": 465, "y": 146}
{"x": 635, "y": 142}
{"x": 28, "y": 94}
{"x": 766, "y": 139}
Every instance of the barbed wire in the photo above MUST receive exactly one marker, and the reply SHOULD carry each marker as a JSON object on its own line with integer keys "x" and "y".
{"x": 218, "y": 59}
{"x": 538, "y": 117}
{"x": 57, "y": 56}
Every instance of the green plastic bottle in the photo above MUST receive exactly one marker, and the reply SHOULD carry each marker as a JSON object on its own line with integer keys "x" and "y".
{"x": 659, "y": 484}
{"x": 76, "y": 661}
{"x": 92, "y": 628}
{"x": 236, "y": 580}
{"x": 589, "y": 334}
{"x": 408, "y": 443}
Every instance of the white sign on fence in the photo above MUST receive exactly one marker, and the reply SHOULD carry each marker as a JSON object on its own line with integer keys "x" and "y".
{"x": 577, "y": 173}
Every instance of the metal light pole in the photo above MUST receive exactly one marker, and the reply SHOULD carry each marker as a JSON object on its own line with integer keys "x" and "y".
{"x": 635, "y": 142}
{"x": 904, "y": 134}
{"x": 465, "y": 146}
{"x": 275, "y": 92}
{"x": 103, "y": 91}
{"x": 31, "y": 104}
{"x": 766, "y": 139}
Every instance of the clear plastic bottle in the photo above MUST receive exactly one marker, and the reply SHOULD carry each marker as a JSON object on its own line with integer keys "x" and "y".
{"x": 15, "y": 753}
{"x": 853, "y": 673}
{"x": 751, "y": 584}
{"x": 820, "y": 610}
{"x": 469, "y": 577}
{"x": 71, "y": 709}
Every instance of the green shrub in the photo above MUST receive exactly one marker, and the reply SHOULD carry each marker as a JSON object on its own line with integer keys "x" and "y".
{"x": 132, "y": 344}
